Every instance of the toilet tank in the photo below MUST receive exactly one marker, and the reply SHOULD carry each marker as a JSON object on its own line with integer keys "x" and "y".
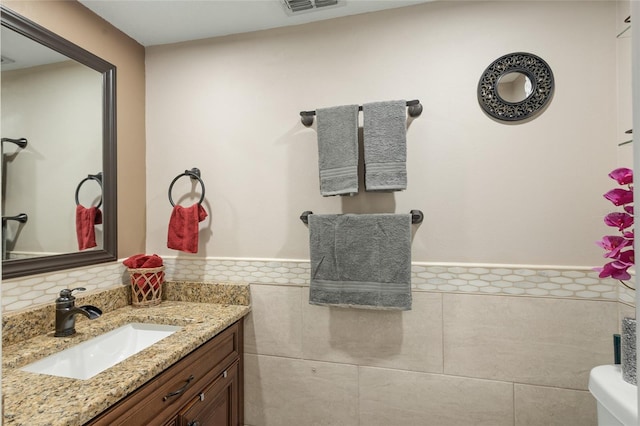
{"x": 617, "y": 399}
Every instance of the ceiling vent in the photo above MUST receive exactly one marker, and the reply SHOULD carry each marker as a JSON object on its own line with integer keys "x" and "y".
{"x": 294, "y": 7}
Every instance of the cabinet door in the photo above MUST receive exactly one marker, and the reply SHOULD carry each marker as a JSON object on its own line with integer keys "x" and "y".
{"x": 173, "y": 422}
{"x": 217, "y": 405}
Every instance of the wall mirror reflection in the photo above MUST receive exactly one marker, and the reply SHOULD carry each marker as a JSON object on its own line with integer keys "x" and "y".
{"x": 58, "y": 152}
{"x": 514, "y": 87}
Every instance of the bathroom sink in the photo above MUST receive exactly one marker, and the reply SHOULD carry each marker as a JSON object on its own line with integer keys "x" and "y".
{"x": 89, "y": 358}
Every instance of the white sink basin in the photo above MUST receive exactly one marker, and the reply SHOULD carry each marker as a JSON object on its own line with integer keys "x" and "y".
{"x": 89, "y": 358}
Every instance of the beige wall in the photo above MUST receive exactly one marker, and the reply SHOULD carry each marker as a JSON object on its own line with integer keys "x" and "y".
{"x": 623, "y": 78}
{"x": 492, "y": 193}
{"x": 523, "y": 193}
{"x": 80, "y": 26}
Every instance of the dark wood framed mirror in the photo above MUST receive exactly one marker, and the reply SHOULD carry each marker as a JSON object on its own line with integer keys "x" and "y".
{"x": 106, "y": 250}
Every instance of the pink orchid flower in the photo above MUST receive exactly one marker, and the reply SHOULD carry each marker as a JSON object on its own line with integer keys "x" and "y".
{"x": 622, "y": 175}
{"x": 627, "y": 258}
{"x": 619, "y": 196}
{"x": 614, "y": 270}
{"x": 612, "y": 244}
{"x": 619, "y": 248}
{"x": 619, "y": 220}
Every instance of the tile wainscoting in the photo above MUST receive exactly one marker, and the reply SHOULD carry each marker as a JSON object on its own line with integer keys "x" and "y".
{"x": 511, "y": 280}
{"x": 483, "y": 344}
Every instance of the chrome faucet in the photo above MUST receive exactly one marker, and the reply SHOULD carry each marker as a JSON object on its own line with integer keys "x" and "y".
{"x": 66, "y": 311}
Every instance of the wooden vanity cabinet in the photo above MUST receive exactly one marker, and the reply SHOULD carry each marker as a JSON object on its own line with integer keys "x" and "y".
{"x": 205, "y": 385}
{"x": 216, "y": 405}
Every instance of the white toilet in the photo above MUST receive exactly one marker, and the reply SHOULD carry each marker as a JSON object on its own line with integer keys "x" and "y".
{"x": 617, "y": 399}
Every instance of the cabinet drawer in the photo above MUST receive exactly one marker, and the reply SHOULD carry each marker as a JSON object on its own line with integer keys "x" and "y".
{"x": 158, "y": 400}
{"x": 217, "y": 404}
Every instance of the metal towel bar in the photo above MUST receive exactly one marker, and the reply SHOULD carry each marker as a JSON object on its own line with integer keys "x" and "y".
{"x": 21, "y": 142}
{"x": 415, "y": 109}
{"x": 22, "y": 218}
{"x": 416, "y": 216}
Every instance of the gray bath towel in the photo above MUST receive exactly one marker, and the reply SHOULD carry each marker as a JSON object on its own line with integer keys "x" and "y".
{"x": 338, "y": 150}
{"x": 385, "y": 145}
{"x": 361, "y": 261}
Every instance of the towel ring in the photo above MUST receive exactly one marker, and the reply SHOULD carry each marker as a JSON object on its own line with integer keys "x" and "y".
{"x": 97, "y": 178}
{"x": 193, "y": 174}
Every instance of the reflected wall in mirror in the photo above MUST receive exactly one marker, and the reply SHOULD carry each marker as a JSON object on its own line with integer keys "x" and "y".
{"x": 61, "y": 100}
{"x": 54, "y": 103}
{"x": 515, "y": 87}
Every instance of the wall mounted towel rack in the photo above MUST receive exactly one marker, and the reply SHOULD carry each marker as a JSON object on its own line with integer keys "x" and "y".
{"x": 98, "y": 178}
{"x": 415, "y": 109}
{"x": 22, "y": 218}
{"x": 628, "y": 132}
{"x": 194, "y": 174}
{"x": 416, "y": 216}
{"x": 21, "y": 142}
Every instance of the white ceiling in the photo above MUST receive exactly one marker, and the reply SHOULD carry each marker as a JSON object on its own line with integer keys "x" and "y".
{"x": 153, "y": 22}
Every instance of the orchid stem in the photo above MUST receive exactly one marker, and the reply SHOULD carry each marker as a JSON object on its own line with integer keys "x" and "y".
{"x": 626, "y": 285}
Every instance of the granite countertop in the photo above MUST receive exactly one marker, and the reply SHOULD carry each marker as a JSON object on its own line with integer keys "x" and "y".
{"x": 39, "y": 399}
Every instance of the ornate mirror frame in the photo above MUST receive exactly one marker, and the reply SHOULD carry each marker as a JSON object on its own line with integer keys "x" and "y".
{"x": 22, "y": 267}
{"x": 532, "y": 66}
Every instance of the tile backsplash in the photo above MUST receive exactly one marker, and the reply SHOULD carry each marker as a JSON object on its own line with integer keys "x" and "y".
{"x": 512, "y": 280}
{"x": 21, "y": 293}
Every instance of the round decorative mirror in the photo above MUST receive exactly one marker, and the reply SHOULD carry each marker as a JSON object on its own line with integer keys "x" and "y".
{"x": 515, "y": 87}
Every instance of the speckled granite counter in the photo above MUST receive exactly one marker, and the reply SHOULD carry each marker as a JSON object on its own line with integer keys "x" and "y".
{"x": 38, "y": 399}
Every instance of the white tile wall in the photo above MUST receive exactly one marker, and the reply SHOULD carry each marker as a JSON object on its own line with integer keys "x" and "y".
{"x": 454, "y": 359}
{"x": 512, "y": 280}
{"x": 395, "y": 397}
{"x": 286, "y": 391}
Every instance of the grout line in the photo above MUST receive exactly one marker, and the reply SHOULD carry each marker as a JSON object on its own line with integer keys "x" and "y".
{"x": 442, "y": 331}
{"x": 513, "y": 401}
{"x": 358, "y": 395}
{"x": 302, "y": 323}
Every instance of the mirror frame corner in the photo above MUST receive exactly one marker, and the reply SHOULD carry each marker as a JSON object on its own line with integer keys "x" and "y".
{"x": 22, "y": 267}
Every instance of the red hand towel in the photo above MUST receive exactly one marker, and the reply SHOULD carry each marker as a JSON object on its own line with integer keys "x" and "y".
{"x": 138, "y": 261}
{"x": 86, "y": 219}
{"x": 183, "y": 228}
{"x": 143, "y": 261}
{"x": 134, "y": 261}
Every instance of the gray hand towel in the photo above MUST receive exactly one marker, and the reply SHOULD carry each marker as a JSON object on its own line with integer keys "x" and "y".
{"x": 338, "y": 150}
{"x": 361, "y": 261}
{"x": 385, "y": 145}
